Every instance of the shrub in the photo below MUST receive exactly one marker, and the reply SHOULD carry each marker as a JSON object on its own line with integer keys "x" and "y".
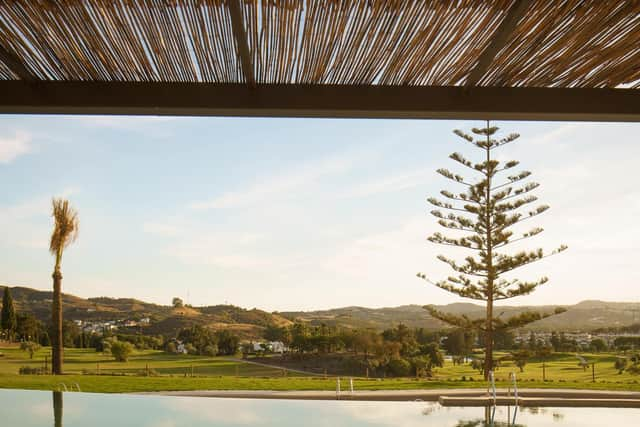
{"x": 634, "y": 369}
{"x": 171, "y": 348}
{"x": 211, "y": 350}
{"x": 106, "y": 345}
{"x": 148, "y": 373}
{"x": 621, "y": 364}
{"x": 30, "y": 347}
{"x": 191, "y": 349}
{"x": 478, "y": 364}
{"x": 121, "y": 350}
{"x": 28, "y": 370}
{"x": 399, "y": 367}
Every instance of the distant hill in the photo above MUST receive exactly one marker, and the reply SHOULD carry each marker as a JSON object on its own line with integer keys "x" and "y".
{"x": 164, "y": 319}
{"x": 585, "y": 316}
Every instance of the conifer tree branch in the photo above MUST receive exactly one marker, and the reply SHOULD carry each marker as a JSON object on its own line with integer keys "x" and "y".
{"x": 510, "y": 263}
{"x": 463, "y": 321}
{"x": 443, "y": 205}
{"x": 531, "y": 233}
{"x": 453, "y": 177}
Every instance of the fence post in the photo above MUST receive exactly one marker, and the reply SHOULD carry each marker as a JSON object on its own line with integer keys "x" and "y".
{"x": 544, "y": 371}
{"x": 593, "y": 372}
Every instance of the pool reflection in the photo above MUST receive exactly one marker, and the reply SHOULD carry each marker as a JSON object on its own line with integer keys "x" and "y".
{"x": 57, "y": 408}
{"x": 36, "y": 409}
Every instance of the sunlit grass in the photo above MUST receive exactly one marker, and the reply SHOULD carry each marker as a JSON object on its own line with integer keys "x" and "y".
{"x": 175, "y": 373}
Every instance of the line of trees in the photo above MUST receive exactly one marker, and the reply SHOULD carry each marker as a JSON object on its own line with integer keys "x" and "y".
{"x": 399, "y": 351}
{"x": 8, "y": 318}
{"x": 204, "y": 341}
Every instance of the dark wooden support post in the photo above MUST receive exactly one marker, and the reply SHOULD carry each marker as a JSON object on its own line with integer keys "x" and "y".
{"x": 240, "y": 35}
{"x": 15, "y": 65}
{"x": 498, "y": 40}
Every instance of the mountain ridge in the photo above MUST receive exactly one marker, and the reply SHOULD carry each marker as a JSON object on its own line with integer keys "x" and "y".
{"x": 584, "y": 315}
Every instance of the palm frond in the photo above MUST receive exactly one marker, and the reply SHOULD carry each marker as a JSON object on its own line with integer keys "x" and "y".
{"x": 65, "y": 230}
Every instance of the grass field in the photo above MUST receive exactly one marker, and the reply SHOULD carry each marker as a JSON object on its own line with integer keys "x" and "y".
{"x": 175, "y": 373}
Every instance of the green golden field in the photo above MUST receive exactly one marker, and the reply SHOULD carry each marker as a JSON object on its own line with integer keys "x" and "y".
{"x": 186, "y": 372}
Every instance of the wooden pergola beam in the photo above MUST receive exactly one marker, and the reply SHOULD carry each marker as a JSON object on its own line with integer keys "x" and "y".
{"x": 498, "y": 40}
{"x": 15, "y": 65}
{"x": 348, "y": 101}
{"x": 240, "y": 35}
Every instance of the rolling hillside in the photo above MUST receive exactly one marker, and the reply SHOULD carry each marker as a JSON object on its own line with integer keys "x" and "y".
{"x": 164, "y": 319}
{"x": 585, "y": 316}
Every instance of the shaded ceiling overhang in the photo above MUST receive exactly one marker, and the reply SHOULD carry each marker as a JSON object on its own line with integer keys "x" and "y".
{"x": 463, "y": 59}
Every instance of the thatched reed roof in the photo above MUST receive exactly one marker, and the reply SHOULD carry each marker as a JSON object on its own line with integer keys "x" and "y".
{"x": 570, "y": 43}
{"x": 361, "y": 43}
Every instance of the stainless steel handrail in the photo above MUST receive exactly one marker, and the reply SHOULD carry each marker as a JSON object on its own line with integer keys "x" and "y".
{"x": 492, "y": 383}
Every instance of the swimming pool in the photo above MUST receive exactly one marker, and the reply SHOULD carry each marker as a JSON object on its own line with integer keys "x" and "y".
{"x": 41, "y": 408}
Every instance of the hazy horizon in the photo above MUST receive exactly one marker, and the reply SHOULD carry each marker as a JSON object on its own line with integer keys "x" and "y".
{"x": 513, "y": 302}
{"x": 299, "y": 214}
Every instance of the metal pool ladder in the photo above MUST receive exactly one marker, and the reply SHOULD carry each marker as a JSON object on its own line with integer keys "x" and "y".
{"x": 63, "y": 387}
{"x": 512, "y": 377}
{"x": 492, "y": 384}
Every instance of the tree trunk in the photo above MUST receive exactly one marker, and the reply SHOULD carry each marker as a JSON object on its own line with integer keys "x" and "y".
{"x": 488, "y": 345}
{"x": 488, "y": 341}
{"x": 57, "y": 342}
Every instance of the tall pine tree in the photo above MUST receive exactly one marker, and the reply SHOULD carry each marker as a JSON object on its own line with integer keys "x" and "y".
{"x": 483, "y": 216}
{"x": 9, "y": 319}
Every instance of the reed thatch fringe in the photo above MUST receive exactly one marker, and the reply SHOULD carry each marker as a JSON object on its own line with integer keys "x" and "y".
{"x": 564, "y": 43}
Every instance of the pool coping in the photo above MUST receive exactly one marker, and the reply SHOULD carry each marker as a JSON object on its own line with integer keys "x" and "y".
{"x": 447, "y": 397}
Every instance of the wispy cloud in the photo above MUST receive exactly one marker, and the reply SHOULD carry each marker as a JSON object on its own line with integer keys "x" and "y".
{"x": 282, "y": 185}
{"x": 389, "y": 184}
{"x": 194, "y": 244}
{"x": 26, "y": 223}
{"x": 556, "y": 136}
{"x": 11, "y": 147}
{"x": 382, "y": 257}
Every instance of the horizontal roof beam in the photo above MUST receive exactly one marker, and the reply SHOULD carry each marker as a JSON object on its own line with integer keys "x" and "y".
{"x": 408, "y": 102}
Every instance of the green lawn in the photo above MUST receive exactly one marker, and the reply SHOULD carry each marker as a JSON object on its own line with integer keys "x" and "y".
{"x": 88, "y": 361}
{"x": 562, "y": 371}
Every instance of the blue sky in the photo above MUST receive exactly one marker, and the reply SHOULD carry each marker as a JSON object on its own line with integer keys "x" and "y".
{"x": 287, "y": 214}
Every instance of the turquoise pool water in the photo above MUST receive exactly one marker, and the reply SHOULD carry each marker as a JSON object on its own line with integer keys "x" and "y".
{"x": 39, "y": 408}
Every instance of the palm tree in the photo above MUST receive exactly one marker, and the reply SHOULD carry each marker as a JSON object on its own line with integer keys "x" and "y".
{"x": 65, "y": 232}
